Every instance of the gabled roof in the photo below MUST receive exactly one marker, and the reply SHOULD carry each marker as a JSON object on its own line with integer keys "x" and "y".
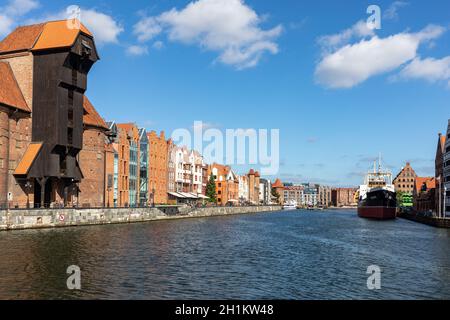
{"x": 10, "y": 93}
{"x": 91, "y": 116}
{"x": 21, "y": 39}
{"x": 43, "y": 36}
{"x": 442, "y": 141}
{"x": 408, "y": 166}
{"x": 430, "y": 182}
{"x": 278, "y": 184}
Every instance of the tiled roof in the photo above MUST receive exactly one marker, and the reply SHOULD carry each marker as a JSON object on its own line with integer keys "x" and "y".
{"x": 49, "y": 35}
{"x": 91, "y": 116}
{"x": 429, "y": 181}
{"x": 10, "y": 93}
{"x": 28, "y": 158}
{"x": 21, "y": 39}
{"x": 278, "y": 184}
{"x": 443, "y": 142}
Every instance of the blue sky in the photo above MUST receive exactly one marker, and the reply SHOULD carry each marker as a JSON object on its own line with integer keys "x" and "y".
{"x": 339, "y": 93}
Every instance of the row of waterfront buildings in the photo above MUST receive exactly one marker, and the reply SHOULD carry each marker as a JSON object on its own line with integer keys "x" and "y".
{"x": 428, "y": 194}
{"x": 56, "y": 150}
{"x": 315, "y": 195}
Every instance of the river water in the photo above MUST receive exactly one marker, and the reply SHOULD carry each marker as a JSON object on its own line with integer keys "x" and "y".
{"x": 280, "y": 255}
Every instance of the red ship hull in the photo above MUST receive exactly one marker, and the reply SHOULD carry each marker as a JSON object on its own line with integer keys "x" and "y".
{"x": 378, "y": 213}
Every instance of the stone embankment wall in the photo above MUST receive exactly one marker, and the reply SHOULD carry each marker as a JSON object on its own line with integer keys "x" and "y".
{"x": 54, "y": 218}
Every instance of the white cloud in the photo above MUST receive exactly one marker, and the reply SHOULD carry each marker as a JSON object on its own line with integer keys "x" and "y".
{"x": 12, "y": 11}
{"x": 147, "y": 28}
{"x": 136, "y": 50}
{"x": 358, "y": 30}
{"x": 103, "y": 26}
{"x": 6, "y": 24}
{"x": 229, "y": 27}
{"x": 353, "y": 64}
{"x": 20, "y": 7}
{"x": 429, "y": 69}
{"x": 392, "y": 12}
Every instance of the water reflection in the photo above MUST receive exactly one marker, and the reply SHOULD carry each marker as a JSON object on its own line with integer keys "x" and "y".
{"x": 285, "y": 255}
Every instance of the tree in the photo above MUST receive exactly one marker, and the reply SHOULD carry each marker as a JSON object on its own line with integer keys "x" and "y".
{"x": 276, "y": 194}
{"x": 211, "y": 189}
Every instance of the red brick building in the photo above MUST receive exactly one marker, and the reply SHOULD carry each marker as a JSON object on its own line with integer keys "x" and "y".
{"x": 227, "y": 184}
{"x": 158, "y": 167}
{"x": 404, "y": 181}
{"x": 93, "y": 158}
{"x": 424, "y": 194}
{"x": 343, "y": 197}
{"x": 253, "y": 186}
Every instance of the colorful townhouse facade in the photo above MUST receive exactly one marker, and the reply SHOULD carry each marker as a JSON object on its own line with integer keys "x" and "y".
{"x": 227, "y": 184}
{"x": 158, "y": 167}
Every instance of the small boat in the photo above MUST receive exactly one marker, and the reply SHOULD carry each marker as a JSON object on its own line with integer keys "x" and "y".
{"x": 291, "y": 205}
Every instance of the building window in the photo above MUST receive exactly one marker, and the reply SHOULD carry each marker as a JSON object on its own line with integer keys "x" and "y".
{"x": 70, "y": 136}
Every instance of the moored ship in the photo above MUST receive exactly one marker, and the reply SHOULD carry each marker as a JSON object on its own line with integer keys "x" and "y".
{"x": 291, "y": 205}
{"x": 377, "y": 197}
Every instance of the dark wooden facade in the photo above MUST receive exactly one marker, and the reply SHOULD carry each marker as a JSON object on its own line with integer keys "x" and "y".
{"x": 59, "y": 83}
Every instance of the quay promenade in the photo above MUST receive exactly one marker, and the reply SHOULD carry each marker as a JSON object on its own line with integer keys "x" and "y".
{"x": 16, "y": 219}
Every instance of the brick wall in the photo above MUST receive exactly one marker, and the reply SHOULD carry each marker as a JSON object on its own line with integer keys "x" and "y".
{"x": 92, "y": 163}
{"x": 158, "y": 167}
{"x": 22, "y": 67}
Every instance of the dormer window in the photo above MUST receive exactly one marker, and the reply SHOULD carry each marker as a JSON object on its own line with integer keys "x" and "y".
{"x": 86, "y": 48}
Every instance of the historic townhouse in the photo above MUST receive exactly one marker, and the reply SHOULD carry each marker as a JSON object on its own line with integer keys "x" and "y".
{"x": 143, "y": 168}
{"x": 44, "y": 70}
{"x": 227, "y": 184}
{"x": 112, "y": 166}
{"x": 189, "y": 177}
{"x": 253, "y": 186}
{"x": 121, "y": 144}
{"x": 130, "y": 155}
{"x": 404, "y": 181}
{"x": 447, "y": 171}
{"x": 158, "y": 167}
{"x": 439, "y": 175}
{"x": 424, "y": 194}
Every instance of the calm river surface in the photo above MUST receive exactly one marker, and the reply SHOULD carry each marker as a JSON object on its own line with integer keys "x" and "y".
{"x": 281, "y": 255}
